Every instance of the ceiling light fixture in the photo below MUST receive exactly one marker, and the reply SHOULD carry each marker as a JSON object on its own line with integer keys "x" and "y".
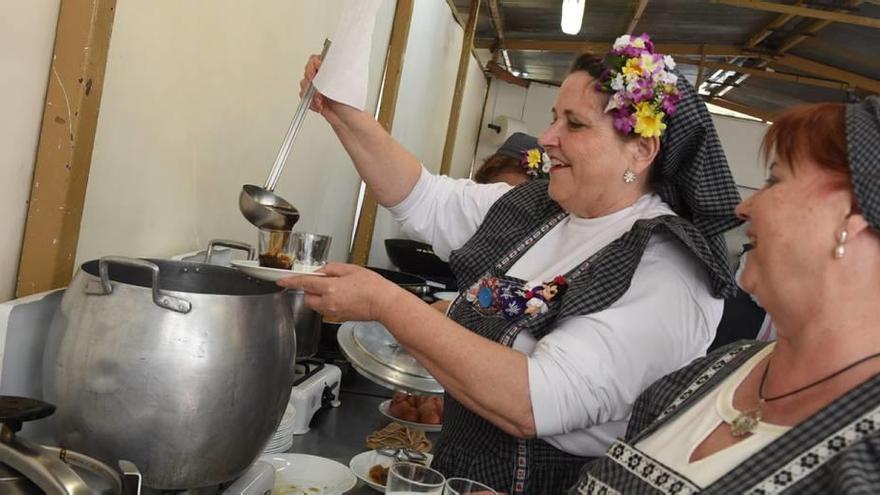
{"x": 572, "y": 16}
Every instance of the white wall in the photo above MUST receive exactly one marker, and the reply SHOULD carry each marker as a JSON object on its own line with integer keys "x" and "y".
{"x": 197, "y": 98}
{"x": 425, "y": 101}
{"x": 530, "y": 105}
{"x": 27, "y": 35}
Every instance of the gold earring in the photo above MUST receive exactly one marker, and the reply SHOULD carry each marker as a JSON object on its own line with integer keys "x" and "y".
{"x": 629, "y": 176}
{"x": 840, "y": 249}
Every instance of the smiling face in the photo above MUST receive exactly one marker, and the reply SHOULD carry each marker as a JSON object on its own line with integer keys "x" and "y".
{"x": 588, "y": 155}
{"x": 793, "y": 223}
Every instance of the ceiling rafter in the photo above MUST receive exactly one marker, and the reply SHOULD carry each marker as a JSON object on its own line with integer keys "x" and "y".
{"x": 637, "y": 15}
{"x": 803, "y": 12}
{"x": 787, "y": 44}
{"x": 767, "y": 30}
{"x": 827, "y": 71}
{"x": 604, "y": 46}
{"x": 739, "y": 107}
{"x": 769, "y": 74}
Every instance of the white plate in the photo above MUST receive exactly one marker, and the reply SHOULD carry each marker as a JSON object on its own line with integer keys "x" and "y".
{"x": 301, "y": 474}
{"x": 446, "y": 296}
{"x": 360, "y": 465}
{"x": 253, "y": 268}
{"x": 384, "y": 409}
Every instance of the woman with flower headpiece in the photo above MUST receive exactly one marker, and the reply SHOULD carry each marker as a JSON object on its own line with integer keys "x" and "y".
{"x": 801, "y": 414}
{"x": 575, "y": 293}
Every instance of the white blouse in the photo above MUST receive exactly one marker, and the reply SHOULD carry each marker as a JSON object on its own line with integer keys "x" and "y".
{"x": 586, "y": 374}
{"x": 674, "y": 443}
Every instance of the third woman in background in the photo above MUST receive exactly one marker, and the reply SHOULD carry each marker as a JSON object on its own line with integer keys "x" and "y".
{"x": 575, "y": 294}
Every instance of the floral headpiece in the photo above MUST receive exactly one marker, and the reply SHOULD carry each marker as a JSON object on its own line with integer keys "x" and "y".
{"x": 641, "y": 84}
{"x": 536, "y": 163}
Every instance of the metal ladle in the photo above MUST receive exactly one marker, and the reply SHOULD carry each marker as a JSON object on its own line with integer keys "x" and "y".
{"x": 260, "y": 205}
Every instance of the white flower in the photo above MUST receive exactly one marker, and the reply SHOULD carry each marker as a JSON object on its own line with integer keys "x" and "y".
{"x": 612, "y": 104}
{"x": 669, "y": 78}
{"x": 621, "y": 42}
{"x": 668, "y": 62}
{"x": 545, "y": 168}
{"x": 617, "y": 83}
{"x": 513, "y": 308}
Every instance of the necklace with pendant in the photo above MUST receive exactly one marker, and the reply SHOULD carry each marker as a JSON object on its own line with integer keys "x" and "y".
{"x": 748, "y": 420}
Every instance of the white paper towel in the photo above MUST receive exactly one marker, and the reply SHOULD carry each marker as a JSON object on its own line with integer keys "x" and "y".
{"x": 509, "y": 126}
{"x": 344, "y": 72}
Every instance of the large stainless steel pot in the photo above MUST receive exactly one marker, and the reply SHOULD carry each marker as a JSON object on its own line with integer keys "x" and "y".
{"x": 183, "y": 368}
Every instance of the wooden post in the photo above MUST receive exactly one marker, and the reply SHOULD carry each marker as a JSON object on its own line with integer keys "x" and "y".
{"x": 64, "y": 153}
{"x": 463, "y": 61}
{"x": 366, "y": 221}
{"x": 700, "y": 69}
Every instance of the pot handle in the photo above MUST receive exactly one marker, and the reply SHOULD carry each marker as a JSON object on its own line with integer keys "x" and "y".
{"x": 243, "y": 246}
{"x": 159, "y": 297}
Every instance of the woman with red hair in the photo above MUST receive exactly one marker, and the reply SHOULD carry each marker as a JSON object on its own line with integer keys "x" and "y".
{"x": 799, "y": 415}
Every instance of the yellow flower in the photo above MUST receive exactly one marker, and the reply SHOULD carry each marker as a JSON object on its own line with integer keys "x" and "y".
{"x": 632, "y": 68}
{"x": 533, "y": 158}
{"x": 649, "y": 123}
{"x": 647, "y": 63}
{"x": 638, "y": 42}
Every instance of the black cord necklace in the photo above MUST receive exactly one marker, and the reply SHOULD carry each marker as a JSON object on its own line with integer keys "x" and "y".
{"x": 748, "y": 420}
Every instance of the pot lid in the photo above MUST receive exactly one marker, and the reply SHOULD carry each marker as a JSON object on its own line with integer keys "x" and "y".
{"x": 375, "y": 354}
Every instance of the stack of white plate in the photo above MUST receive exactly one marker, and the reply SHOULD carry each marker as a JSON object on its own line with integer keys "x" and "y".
{"x": 282, "y": 440}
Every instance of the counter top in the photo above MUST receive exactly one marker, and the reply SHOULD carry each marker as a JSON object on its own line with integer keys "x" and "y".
{"x": 340, "y": 433}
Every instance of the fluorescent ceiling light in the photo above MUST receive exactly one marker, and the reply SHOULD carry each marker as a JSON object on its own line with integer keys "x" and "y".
{"x": 572, "y": 16}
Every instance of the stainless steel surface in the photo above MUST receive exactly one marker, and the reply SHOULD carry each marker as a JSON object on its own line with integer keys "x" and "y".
{"x": 260, "y": 205}
{"x": 44, "y": 467}
{"x": 307, "y": 323}
{"x": 374, "y": 353}
{"x": 242, "y": 246}
{"x": 189, "y": 398}
{"x": 102, "y": 287}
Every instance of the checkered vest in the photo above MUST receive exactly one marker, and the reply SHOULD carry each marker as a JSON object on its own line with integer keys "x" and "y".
{"x": 472, "y": 447}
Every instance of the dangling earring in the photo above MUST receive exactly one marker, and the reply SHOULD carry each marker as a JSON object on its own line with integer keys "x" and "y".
{"x": 629, "y": 176}
{"x": 840, "y": 249}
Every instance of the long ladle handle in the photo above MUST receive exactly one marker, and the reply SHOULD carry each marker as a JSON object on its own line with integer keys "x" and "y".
{"x": 293, "y": 130}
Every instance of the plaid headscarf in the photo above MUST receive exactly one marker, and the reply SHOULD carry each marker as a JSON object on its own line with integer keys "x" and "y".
{"x": 863, "y": 150}
{"x": 691, "y": 170}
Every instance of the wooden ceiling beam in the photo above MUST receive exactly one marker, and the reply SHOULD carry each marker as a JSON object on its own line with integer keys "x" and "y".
{"x": 767, "y": 74}
{"x": 827, "y": 72}
{"x": 803, "y": 12}
{"x": 767, "y": 30}
{"x": 810, "y": 30}
{"x": 604, "y": 46}
{"x": 637, "y": 15}
{"x": 500, "y": 73}
{"x": 497, "y": 21}
{"x": 739, "y": 107}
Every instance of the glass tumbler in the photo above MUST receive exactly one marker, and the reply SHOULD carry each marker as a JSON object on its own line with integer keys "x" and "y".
{"x": 463, "y": 486}
{"x": 406, "y": 478}
{"x": 275, "y": 249}
{"x": 309, "y": 251}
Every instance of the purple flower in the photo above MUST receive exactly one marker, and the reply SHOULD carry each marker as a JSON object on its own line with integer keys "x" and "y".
{"x": 668, "y": 105}
{"x": 624, "y": 121}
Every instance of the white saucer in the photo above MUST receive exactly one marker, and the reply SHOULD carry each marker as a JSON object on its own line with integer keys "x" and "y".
{"x": 253, "y": 268}
{"x": 301, "y": 474}
{"x": 384, "y": 409}
{"x": 360, "y": 465}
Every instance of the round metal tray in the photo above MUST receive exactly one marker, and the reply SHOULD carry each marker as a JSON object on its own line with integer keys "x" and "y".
{"x": 375, "y": 354}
